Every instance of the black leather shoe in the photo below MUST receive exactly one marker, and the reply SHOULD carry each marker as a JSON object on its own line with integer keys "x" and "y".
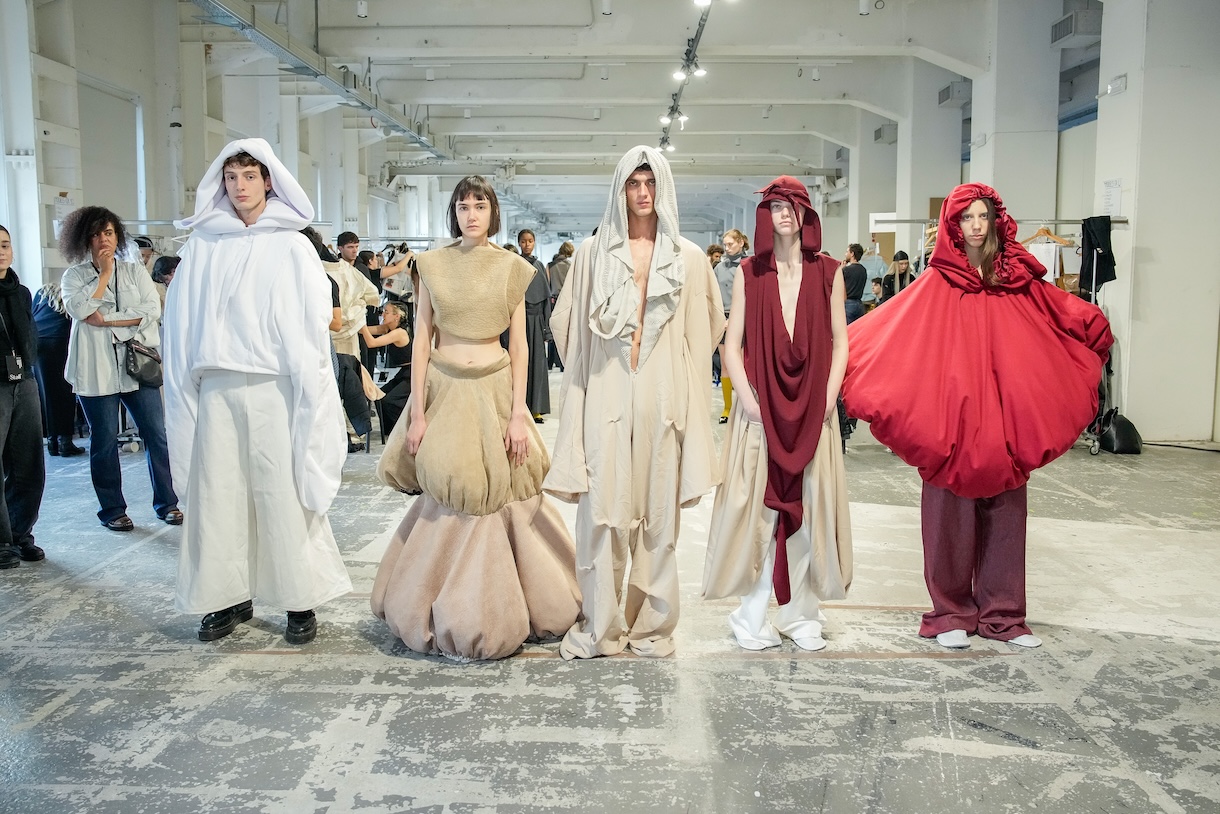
{"x": 221, "y": 623}
{"x": 120, "y": 523}
{"x": 53, "y": 446}
{"x": 9, "y": 558}
{"x": 31, "y": 553}
{"x": 302, "y": 627}
{"x": 68, "y": 449}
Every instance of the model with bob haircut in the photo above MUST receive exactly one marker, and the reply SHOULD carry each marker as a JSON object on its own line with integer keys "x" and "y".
{"x": 111, "y": 300}
{"x": 483, "y": 560}
{"x": 979, "y": 374}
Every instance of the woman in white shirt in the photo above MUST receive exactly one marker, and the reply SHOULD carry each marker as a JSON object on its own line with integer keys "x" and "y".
{"x": 112, "y": 299}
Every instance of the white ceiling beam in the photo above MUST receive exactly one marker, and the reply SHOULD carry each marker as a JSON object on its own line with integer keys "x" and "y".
{"x": 943, "y": 32}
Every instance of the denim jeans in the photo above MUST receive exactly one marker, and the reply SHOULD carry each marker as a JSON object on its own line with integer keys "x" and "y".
{"x": 149, "y": 414}
{"x": 24, "y": 465}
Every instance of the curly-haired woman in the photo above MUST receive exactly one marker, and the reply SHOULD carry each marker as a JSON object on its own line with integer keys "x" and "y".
{"x": 112, "y": 299}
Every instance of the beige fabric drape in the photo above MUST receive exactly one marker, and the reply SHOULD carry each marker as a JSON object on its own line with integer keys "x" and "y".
{"x": 743, "y": 528}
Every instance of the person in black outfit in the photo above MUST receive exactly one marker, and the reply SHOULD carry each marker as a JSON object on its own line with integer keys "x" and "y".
{"x": 21, "y": 458}
{"x": 366, "y": 263}
{"x": 855, "y": 278}
{"x": 52, "y": 325}
{"x": 537, "y": 331}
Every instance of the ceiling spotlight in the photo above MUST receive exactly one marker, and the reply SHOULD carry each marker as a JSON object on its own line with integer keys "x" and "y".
{"x": 682, "y": 117}
{"x": 362, "y": 8}
{"x": 669, "y": 147}
{"x": 606, "y": 9}
{"x": 429, "y": 74}
{"x": 605, "y": 72}
{"x": 597, "y": 114}
{"x": 466, "y": 113}
{"x": 703, "y": 3}
{"x": 665, "y": 119}
{"x": 767, "y": 112}
{"x": 680, "y": 74}
{"x": 815, "y": 74}
{"x": 864, "y": 5}
{"x": 700, "y": 72}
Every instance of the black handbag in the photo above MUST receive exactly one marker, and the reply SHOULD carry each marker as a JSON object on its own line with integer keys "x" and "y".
{"x": 1118, "y": 435}
{"x": 141, "y": 362}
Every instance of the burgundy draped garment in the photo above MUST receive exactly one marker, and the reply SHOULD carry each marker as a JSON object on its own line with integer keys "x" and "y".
{"x": 789, "y": 374}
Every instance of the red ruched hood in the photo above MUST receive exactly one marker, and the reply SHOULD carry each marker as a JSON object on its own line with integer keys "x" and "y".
{"x": 1014, "y": 265}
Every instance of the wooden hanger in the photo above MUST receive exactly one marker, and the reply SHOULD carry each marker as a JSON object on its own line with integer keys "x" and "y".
{"x": 1043, "y": 232}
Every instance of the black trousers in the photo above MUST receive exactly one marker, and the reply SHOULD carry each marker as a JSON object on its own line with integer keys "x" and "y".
{"x": 58, "y": 400}
{"x": 397, "y": 390}
{"x": 23, "y": 462}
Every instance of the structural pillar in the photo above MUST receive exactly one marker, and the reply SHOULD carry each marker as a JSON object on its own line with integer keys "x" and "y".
{"x": 872, "y": 176}
{"x": 1156, "y": 150}
{"x": 1014, "y": 128}
{"x": 19, "y": 205}
{"x": 929, "y": 151}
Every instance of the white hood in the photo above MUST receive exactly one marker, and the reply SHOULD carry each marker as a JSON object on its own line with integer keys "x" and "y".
{"x": 614, "y": 299}
{"x": 288, "y": 207}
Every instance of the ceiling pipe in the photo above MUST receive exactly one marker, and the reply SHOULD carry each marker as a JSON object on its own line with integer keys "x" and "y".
{"x": 304, "y": 61}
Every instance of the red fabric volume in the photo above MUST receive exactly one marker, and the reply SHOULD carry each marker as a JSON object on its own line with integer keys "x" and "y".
{"x": 788, "y": 374}
{"x": 977, "y": 386}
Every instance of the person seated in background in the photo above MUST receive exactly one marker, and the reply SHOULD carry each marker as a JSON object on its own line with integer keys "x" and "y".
{"x": 162, "y": 273}
{"x": 877, "y": 299}
{"x": 148, "y": 255}
{"x": 392, "y": 335}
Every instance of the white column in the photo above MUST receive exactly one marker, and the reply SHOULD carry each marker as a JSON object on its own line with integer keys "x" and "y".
{"x": 929, "y": 150}
{"x": 289, "y": 147}
{"x": 327, "y": 150}
{"x": 19, "y": 192}
{"x": 439, "y": 203}
{"x": 872, "y": 176}
{"x": 351, "y": 186}
{"x": 192, "y": 115}
{"x": 1156, "y": 140}
{"x": 834, "y": 215}
{"x": 1014, "y": 130}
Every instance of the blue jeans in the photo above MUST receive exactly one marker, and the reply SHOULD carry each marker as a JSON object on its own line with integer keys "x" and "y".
{"x": 103, "y": 415}
{"x": 855, "y": 310}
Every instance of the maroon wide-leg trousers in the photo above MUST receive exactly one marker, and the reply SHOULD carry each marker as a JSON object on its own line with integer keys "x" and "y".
{"x": 974, "y": 563}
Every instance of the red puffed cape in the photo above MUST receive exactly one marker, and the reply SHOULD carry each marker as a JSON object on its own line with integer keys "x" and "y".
{"x": 977, "y": 386}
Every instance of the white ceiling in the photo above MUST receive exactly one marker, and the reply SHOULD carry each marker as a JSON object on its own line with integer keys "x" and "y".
{"x": 548, "y": 94}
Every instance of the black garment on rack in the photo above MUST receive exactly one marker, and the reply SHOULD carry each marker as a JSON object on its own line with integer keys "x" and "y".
{"x": 1097, "y": 257}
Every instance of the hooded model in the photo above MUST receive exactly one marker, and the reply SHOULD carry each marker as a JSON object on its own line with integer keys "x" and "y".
{"x": 977, "y": 375}
{"x": 635, "y": 325}
{"x": 780, "y": 517}
{"x": 252, "y": 411}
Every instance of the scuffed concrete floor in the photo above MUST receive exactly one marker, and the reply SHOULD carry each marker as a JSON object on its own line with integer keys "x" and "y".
{"x": 108, "y": 702}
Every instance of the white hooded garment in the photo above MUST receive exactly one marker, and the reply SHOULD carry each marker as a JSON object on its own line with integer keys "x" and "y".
{"x": 255, "y": 300}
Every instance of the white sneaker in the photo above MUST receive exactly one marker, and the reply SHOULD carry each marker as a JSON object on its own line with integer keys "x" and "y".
{"x": 812, "y": 644}
{"x": 1026, "y": 640}
{"x": 953, "y": 639}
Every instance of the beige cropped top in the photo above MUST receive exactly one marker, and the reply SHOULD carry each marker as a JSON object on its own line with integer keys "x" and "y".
{"x": 474, "y": 291}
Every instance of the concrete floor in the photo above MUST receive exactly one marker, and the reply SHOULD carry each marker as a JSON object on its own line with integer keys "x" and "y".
{"x": 109, "y": 703}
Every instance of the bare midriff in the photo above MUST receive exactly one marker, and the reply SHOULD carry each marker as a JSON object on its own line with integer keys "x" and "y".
{"x": 469, "y": 351}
